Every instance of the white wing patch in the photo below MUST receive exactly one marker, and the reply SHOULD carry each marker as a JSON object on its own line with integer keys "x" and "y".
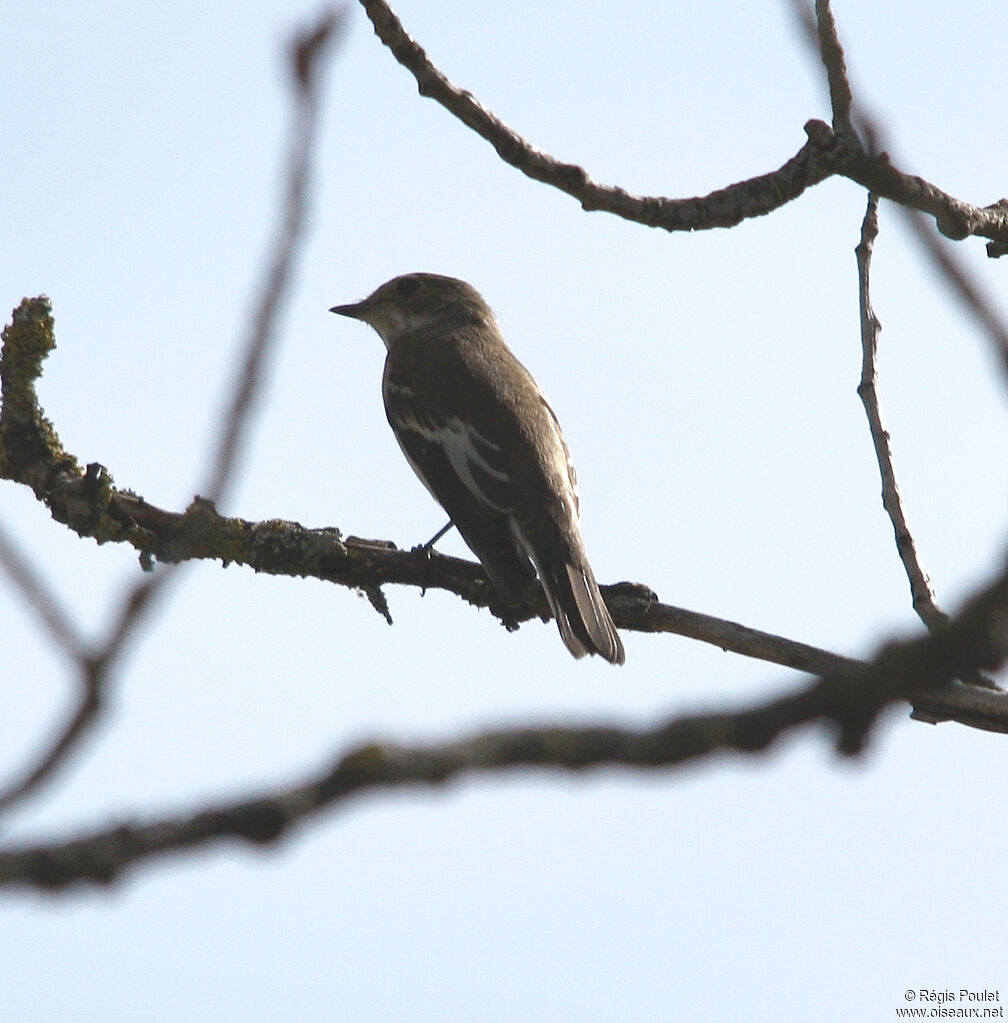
{"x": 477, "y": 461}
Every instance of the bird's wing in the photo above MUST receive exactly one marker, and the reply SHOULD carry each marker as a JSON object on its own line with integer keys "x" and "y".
{"x": 575, "y": 492}
{"x": 467, "y": 475}
{"x": 452, "y": 454}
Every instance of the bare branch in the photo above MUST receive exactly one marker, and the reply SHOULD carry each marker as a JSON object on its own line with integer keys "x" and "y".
{"x": 849, "y": 694}
{"x": 978, "y": 704}
{"x": 307, "y": 51}
{"x": 56, "y": 751}
{"x": 827, "y": 153}
{"x": 30, "y": 451}
{"x": 62, "y": 630}
{"x": 921, "y": 590}
{"x": 287, "y": 548}
{"x": 925, "y": 602}
{"x": 836, "y": 68}
{"x": 849, "y": 700}
{"x": 723, "y": 208}
{"x": 891, "y": 183}
{"x": 40, "y": 600}
{"x": 278, "y": 547}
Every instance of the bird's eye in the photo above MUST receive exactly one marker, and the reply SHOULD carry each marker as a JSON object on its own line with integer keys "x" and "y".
{"x": 407, "y": 286}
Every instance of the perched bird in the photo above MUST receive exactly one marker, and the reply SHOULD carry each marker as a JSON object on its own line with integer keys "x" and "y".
{"x": 478, "y": 432}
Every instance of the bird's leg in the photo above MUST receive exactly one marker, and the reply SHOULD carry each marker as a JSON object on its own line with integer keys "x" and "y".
{"x": 429, "y": 545}
{"x": 427, "y": 548}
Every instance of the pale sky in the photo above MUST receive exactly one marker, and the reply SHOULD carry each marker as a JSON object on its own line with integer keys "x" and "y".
{"x": 707, "y": 386}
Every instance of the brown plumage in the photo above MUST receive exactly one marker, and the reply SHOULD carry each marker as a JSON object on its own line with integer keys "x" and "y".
{"x": 479, "y": 433}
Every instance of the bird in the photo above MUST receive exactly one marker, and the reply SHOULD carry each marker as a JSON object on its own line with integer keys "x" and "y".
{"x": 477, "y": 430}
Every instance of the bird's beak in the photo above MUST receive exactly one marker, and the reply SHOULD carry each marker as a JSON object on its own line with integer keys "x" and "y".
{"x": 354, "y": 310}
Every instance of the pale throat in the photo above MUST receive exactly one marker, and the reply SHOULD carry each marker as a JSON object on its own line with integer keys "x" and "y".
{"x": 391, "y": 323}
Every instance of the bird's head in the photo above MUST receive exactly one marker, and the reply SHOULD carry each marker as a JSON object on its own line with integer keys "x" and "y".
{"x": 415, "y": 301}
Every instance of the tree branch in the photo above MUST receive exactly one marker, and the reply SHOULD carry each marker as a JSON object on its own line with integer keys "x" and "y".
{"x": 925, "y": 602}
{"x": 306, "y": 54}
{"x": 825, "y": 154}
{"x": 278, "y": 547}
{"x": 38, "y": 597}
{"x": 848, "y": 694}
{"x": 921, "y": 590}
{"x": 31, "y": 453}
{"x": 850, "y": 700}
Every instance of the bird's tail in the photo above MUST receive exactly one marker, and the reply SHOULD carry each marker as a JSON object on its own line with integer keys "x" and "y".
{"x": 580, "y": 611}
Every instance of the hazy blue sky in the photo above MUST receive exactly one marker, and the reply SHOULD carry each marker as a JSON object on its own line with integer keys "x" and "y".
{"x": 706, "y": 384}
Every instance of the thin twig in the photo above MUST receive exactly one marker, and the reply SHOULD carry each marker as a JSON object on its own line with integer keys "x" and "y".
{"x": 307, "y": 51}
{"x": 921, "y": 590}
{"x": 308, "y": 48}
{"x": 55, "y": 752}
{"x": 73, "y": 647}
{"x": 37, "y": 596}
{"x": 836, "y": 68}
{"x": 63, "y": 632}
{"x": 95, "y": 668}
{"x": 948, "y": 215}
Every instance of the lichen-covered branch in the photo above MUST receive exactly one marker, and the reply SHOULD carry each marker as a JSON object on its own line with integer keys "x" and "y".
{"x": 89, "y": 503}
{"x": 847, "y": 694}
